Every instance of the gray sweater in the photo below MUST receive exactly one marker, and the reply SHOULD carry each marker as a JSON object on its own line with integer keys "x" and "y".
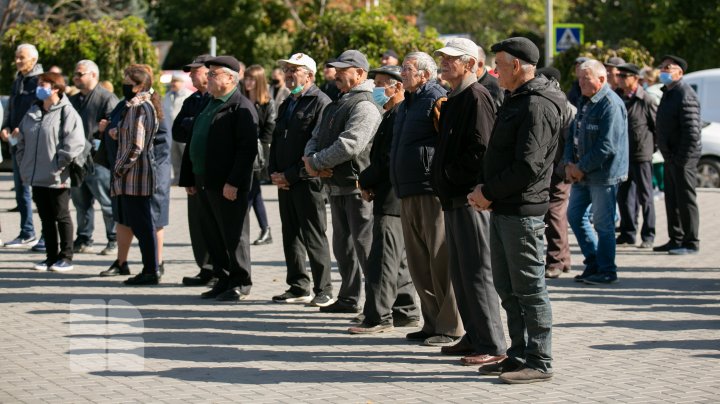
{"x": 44, "y": 149}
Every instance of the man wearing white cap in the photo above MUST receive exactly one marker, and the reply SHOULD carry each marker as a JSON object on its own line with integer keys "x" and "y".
{"x": 466, "y": 120}
{"x": 300, "y": 196}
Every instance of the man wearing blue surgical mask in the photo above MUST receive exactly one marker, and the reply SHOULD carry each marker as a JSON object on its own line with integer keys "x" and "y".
{"x": 678, "y": 136}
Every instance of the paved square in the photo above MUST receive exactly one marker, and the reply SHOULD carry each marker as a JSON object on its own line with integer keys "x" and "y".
{"x": 75, "y": 337}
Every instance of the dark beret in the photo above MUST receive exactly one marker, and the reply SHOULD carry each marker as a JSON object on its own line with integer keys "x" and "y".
{"x": 392, "y": 71}
{"x": 678, "y": 60}
{"x": 224, "y": 61}
{"x": 615, "y": 61}
{"x": 391, "y": 53}
{"x": 520, "y": 47}
{"x": 629, "y": 68}
{"x": 197, "y": 62}
{"x": 550, "y": 72}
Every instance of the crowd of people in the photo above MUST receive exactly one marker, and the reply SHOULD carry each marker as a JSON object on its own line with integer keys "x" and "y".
{"x": 444, "y": 181}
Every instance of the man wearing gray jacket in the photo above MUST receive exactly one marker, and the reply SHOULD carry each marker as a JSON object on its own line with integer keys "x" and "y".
{"x": 338, "y": 151}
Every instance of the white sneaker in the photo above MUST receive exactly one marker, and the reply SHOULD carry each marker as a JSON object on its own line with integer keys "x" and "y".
{"x": 42, "y": 266}
{"x": 20, "y": 242}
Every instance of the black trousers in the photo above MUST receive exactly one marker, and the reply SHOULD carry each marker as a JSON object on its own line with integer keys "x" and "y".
{"x": 136, "y": 213}
{"x": 53, "y": 207}
{"x": 389, "y": 291}
{"x": 683, "y": 215}
{"x": 468, "y": 240}
{"x": 636, "y": 194}
{"x": 304, "y": 223}
{"x": 200, "y": 251}
{"x": 226, "y": 229}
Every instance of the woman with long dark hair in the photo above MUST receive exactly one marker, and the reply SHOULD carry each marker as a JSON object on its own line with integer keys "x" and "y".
{"x": 256, "y": 89}
{"x": 133, "y": 181}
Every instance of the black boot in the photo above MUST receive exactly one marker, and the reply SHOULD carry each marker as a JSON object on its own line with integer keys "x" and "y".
{"x": 205, "y": 277}
{"x": 265, "y": 237}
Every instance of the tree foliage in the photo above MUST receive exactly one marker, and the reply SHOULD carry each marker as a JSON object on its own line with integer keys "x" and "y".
{"x": 112, "y": 44}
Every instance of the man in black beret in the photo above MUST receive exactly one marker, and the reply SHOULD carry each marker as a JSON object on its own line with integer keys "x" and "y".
{"x": 678, "y": 136}
{"x": 611, "y": 66}
{"x": 517, "y": 167}
{"x": 218, "y": 166}
{"x": 390, "y": 58}
{"x": 636, "y": 193}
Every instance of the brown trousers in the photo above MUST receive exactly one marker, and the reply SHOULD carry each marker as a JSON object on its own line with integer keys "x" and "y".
{"x": 556, "y": 232}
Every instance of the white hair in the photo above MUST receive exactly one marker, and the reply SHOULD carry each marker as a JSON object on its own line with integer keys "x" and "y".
{"x": 235, "y": 75}
{"x": 89, "y": 66}
{"x": 526, "y": 66}
{"x": 598, "y": 69}
{"x": 31, "y": 49}
{"x": 424, "y": 63}
{"x": 481, "y": 54}
{"x": 466, "y": 59}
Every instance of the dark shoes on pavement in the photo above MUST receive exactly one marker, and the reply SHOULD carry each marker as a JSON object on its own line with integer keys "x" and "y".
{"x": 603, "y": 278}
{"x": 666, "y": 247}
{"x": 322, "y": 299}
{"x": 341, "y": 306}
{"x": 203, "y": 278}
{"x": 498, "y": 368}
{"x": 622, "y": 240}
{"x": 235, "y": 294}
{"x": 440, "y": 340}
{"x": 418, "y": 336}
{"x": 264, "y": 238}
{"x": 371, "y": 329}
{"x": 406, "y": 322}
{"x": 525, "y": 375}
{"x": 116, "y": 269}
{"x": 481, "y": 359}
{"x": 290, "y": 297}
{"x": 586, "y": 273}
{"x": 143, "y": 278}
{"x": 463, "y": 347}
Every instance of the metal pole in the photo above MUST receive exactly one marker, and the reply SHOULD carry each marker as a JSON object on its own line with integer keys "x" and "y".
{"x": 213, "y": 46}
{"x": 549, "y": 32}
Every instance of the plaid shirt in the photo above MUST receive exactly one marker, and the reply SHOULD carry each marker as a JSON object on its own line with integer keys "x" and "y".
{"x": 133, "y": 173}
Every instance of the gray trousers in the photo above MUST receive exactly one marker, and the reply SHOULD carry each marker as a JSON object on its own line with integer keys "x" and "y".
{"x": 352, "y": 222}
{"x": 468, "y": 239}
{"x": 389, "y": 292}
{"x": 424, "y": 232}
{"x": 176, "y": 152}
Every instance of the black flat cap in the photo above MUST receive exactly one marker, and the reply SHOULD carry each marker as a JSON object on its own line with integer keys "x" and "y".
{"x": 550, "y": 73}
{"x": 629, "y": 68}
{"x": 224, "y": 61}
{"x": 614, "y": 61}
{"x": 351, "y": 58}
{"x": 520, "y": 47}
{"x": 678, "y": 60}
{"x": 197, "y": 62}
{"x": 392, "y": 71}
{"x": 392, "y": 53}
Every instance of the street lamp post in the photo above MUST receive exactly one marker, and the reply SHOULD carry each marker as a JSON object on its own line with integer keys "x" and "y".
{"x": 548, "y": 32}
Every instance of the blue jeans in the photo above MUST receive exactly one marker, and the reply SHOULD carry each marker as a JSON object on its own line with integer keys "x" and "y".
{"x": 95, "y": 187}
{"x": 23, "y": 197}
{"x": 517, "y": 253}
{"x": 598, "y": 244}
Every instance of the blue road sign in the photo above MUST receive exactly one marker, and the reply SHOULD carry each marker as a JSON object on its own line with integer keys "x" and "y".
{"x": 566, "y": 36}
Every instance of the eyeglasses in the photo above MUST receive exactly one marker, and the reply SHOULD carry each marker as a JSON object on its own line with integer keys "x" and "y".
{"x": 215, "y": 74}
{"x": 408, "y": 69}
{"x": 80, "y": 74}
{"x": 668, "y": 66}
{"x": 295, "y": 69}
{"x": 624, "y": 75}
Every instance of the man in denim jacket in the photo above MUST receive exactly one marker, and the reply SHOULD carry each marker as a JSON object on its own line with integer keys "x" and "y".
{"x": 596, "y": 157}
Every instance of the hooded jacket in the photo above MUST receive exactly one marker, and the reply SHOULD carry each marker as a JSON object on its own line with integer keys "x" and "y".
{"x": 641, "y": 110}
{"x": 519, "y": 159}
{"x": 22, "y": 96}
{"x": 48, "y": 143}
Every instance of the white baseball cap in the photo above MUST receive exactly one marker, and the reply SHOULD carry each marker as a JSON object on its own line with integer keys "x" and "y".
{"x": 459, "y": 47}
{"x": 300, "y": 59}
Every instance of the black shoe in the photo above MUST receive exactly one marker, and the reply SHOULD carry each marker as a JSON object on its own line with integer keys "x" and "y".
{"x": 418, "y": 336}
{"x": 587, "y": 272}
{"x": 405, "y": 322}
{"x": 216, "y": 291}
{"x": 15, "y": 209}
{"x": 622, "y": 240}
{"x": 143, "y": 278}
{"x": 204, "y": 277}
{"x": 232, "y": 295}
{"x": 265, "y": 237}
{"x": 495, "y": 369}
{"x": 116, "y": 269}
{"x": 341, "y": 306}
{"x": 666, "y": 247}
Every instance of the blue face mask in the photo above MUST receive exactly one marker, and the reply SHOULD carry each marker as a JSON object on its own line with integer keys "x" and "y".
{"x": 666, "y": 78}
{"x": 379, "y": 96}
{"x": 43, "y": 93}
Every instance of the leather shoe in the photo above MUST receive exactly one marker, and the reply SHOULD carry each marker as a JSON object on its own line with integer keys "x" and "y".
{"x": 203, "y": 278}
{"x": 232, "y": 295}
{"x": 218, "y": 289}
{"x": 666, "y": 247}
{"x": 481, "y": 359}
{"x": 463, "y": 347}
{"x": 143, "y": 278}
{"x": 265, "y": 237}
{"x": 418, "y": 336}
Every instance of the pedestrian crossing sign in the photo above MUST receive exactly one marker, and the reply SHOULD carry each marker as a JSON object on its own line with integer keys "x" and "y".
{"x": 566, "y": 36}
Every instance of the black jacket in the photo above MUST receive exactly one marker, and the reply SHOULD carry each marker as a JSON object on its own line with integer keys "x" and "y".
{"x": 518, "y": 163}
{"x": 183, "y": 123}
{"x": 491, "y": 84}
{"x": 466, "y": 121}
{"x": 641, "y": 110}
{"x": 97, "y": 105}
{"x": 376, "y": 176}
{"x": 266, "y": 121}
{"x": 22, "y": 96}
{"x": 678, "y": 124}
{"x": 331, "y": 90}
{"x": 231, "y": 147}
{"x": 292, "y": 133}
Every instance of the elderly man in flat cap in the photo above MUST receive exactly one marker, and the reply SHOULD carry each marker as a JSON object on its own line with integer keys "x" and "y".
{"x": 301, "y": 197}
{"x": 678, "y": 136}
{"x": 466, "y": 120}
{"x": 516, "y": 173}
{"x": 218, "y": 166}
{"x": 612, "y": 71}
{"x": 338, "y": 152}
{"x": 637, "y": 192}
